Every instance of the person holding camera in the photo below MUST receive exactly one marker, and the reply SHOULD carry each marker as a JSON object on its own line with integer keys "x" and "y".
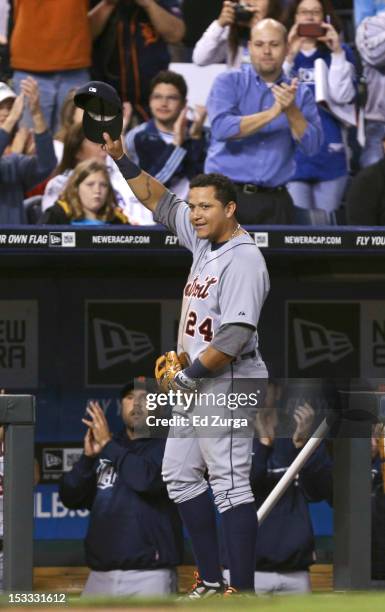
{"x": 226, "y": 39}
{"x": 320, "y": 181}
{"x": 197, "y": 16}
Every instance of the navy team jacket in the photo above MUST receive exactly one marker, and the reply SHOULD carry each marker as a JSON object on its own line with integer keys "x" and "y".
{"x": 133, "y": 524}
{"x": 285, "y": 540}
{"x": 163, "y": 161}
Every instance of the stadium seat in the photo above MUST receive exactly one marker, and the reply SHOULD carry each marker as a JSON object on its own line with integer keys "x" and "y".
{"x": 303, "y": 216}
{"x": 338, "y": 216}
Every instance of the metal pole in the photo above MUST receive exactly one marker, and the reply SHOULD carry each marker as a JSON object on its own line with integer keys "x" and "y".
{"x": 17, "y": 413}
{"x": 352, "y": 512}
{"x": 352, "y": 488}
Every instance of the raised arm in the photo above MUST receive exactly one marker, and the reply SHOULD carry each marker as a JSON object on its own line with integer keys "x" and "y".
{"x": 252, "y": 123}
{"x": 212, "y": 47}
{"x": 341, "y": 77}
{"x": 285, "y": 95}
{"x": 77, "y": 488}
{"x": 99, "y": 15}
{"x": 170, "y": 27}
{"x": 31, "y": 169}
{"x": 147, "y": 189}
{"x": 302, "y": 116}
{"x": 141, "y": 473}
{"x": 10, "y": 122}
{"x": 226, "y": 120}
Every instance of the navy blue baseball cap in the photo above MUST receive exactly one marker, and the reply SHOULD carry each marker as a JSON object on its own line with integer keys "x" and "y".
{"x": 102, "y": 110}
{"x": 136, "y": 384}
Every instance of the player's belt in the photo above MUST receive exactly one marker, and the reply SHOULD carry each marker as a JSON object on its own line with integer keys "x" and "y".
{"x": 251, "y": 188}
{"x": 249, "y": 355}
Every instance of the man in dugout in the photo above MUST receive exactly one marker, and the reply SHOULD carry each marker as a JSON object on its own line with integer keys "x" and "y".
{"x": 134, "y": 539}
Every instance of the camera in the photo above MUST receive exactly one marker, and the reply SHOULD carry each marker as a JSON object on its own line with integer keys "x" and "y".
{"x": 242, "y": 15}
{"x": 311, "y": 30}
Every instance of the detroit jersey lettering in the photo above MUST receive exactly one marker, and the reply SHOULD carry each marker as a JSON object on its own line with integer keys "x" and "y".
{"x": 226, "y": 285}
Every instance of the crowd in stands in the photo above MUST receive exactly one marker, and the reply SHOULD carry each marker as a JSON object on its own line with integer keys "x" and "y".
{"x": 295, "y": 115}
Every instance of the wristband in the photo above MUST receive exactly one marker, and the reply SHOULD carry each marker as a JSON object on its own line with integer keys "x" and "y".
{"x": 128, "y": 169}
{"x": 184, "y": 383}
{"x": 197, "y": 370}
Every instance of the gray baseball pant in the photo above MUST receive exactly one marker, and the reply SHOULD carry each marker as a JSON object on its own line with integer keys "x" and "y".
{"x": 131, "y": 582}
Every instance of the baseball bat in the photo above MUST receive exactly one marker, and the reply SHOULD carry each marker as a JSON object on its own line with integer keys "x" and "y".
{"x": 292, "y": 471}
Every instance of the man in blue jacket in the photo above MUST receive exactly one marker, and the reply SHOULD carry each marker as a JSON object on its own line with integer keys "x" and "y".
{"x": 134, "y": 539}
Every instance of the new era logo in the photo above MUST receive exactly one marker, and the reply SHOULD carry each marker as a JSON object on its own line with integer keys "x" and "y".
{"x": 53, "y": 459}
{"x": 261, "y": 239}
{"x": 123, "y": 338}
{"x": 55, "y": 239}
{"x": 62, "y": 239}
{"x": 115, "y": 343}
{"x": 315, "y": 343}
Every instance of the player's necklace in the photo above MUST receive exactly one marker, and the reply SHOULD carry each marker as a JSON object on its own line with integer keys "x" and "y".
{"x": 235, "y": 231}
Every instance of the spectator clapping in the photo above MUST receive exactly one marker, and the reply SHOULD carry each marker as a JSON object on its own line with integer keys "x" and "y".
{"x": 20, "y": 172}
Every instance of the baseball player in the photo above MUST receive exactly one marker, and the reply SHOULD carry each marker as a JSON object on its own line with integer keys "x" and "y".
{"x": 226, "y": 288}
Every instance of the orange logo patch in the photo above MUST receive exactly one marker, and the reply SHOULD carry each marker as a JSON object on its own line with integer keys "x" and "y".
{"x": 148, "y": 34}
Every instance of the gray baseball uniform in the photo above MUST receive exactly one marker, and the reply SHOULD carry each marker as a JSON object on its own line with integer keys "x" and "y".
{"x": 225, "y": 286}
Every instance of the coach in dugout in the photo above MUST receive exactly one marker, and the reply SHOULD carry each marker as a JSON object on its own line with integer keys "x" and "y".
{"x": 134, "y": 539}
{"x": 258, "y": 119}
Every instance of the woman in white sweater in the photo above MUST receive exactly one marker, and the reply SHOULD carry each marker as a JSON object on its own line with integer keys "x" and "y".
{"x": 225, "y": 40}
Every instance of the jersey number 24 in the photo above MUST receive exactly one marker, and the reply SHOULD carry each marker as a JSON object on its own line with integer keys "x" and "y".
{"x": 205, "y": 328}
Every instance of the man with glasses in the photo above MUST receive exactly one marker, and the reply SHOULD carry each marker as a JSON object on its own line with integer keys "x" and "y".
{"x": 171, "y": 147}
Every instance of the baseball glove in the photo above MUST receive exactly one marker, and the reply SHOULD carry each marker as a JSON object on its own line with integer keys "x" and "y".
{"x": 167, "y": 368}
